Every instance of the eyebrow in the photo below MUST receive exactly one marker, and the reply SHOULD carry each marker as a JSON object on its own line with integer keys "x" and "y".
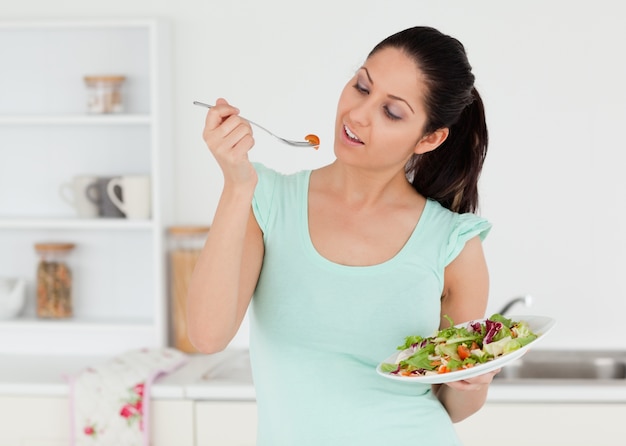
{"x": 398, "y": 98}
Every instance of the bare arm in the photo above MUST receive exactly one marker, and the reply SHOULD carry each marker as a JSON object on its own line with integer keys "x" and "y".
{"x": 466, "y": 288}
{"x": 228, "y": 267}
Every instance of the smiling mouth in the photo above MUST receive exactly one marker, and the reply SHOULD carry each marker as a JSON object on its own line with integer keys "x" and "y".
{"x": 351, "y": 136}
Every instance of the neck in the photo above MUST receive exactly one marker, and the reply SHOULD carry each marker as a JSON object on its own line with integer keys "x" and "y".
{"x": 361, "y": 188}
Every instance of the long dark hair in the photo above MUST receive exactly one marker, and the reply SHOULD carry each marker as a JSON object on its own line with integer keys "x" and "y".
{"x": 448, "y": 174}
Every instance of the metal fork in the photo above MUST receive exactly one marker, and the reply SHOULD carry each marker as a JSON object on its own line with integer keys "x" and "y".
{"x": 286, "y": 141}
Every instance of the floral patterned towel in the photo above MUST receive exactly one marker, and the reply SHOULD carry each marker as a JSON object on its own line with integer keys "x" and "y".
{"x": 110, "y": 402}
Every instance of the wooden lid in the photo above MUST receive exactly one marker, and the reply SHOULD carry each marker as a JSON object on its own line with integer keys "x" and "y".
{"x": 54, "y": 246}
{"x": 188, "y": 230}
{"x": 105, "y": 78}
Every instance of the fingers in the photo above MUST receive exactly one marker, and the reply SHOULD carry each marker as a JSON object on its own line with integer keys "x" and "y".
{"x": 225, "y": 130}
{"x": 475, "y": 383}
{"x": 229, "y": 138}
{"x": 218, "y": 113}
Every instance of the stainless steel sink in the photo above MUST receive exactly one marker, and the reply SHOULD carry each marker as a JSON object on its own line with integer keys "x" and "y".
{"x": 566, "y": 365}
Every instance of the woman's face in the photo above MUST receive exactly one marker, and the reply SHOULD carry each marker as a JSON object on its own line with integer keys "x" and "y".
{"x": 380, "y": 114}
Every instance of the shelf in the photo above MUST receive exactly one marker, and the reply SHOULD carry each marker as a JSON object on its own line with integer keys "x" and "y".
{"x": 76, "y": 336}
{"x": 120, "y": 287}
{"x": 76, "y": 119}
{"x": 75, "y": 223}
{"x": 82, "y": 324}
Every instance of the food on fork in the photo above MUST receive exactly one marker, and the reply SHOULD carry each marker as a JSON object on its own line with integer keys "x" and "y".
{"x": 314, "y": 140}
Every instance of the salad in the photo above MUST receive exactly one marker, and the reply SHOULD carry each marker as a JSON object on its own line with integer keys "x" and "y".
{"x": 460, "y": 347}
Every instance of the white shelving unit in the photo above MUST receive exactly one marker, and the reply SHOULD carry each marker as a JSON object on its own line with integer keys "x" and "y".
{"x": 46, "y": 138}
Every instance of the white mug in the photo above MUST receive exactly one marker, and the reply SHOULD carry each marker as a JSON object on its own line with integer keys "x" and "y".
{"x": 12, "y": 297}
{"x": 77, "y": 194}
{"x": 136, "y": 196}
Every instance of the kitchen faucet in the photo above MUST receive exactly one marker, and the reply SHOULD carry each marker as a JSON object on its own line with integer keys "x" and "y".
{"x": 527, "y": 300}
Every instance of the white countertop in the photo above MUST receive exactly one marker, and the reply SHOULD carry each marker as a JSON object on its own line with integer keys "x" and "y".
{"x": 48, "y": 376}
{"x": 226, "y": 376}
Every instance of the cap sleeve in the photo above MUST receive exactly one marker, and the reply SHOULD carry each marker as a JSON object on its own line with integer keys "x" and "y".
{"x": 467, "y": 227}
{"x": 263, "y": 194}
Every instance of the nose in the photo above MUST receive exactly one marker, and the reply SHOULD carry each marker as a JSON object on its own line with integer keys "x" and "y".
{"x": 361, "y": 113}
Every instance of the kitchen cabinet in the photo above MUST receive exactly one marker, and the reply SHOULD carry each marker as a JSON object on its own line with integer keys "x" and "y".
{"x": 46, "y": 138}
{"x": 523, "y": 424}
{"x": 39, "y": 421}
{"x": 227, "y": 423}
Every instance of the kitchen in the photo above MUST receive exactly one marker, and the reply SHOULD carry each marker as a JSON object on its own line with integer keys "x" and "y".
{"x": 555, "y": 99}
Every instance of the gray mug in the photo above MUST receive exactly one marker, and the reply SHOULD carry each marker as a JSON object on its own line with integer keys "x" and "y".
{"x": 97, "y": 193}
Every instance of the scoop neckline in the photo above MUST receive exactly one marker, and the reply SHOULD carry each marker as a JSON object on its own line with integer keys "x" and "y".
{"x": 323, "y": 261}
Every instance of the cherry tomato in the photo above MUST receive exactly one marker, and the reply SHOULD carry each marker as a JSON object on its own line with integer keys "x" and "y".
{"x": 314, "y": 140}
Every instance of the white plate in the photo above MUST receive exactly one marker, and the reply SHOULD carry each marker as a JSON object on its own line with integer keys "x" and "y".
{"x": 540, "y": 325}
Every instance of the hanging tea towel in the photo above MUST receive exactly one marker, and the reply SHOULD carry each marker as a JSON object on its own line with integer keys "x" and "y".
{"x": 110, "y": 402}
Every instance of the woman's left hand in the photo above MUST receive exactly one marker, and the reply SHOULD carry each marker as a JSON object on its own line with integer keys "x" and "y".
{"x": 476, "y": 383}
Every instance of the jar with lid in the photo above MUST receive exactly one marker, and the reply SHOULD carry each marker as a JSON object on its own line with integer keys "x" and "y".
{"x": 104, "y": 94}
{"x": 185, "y": 244}
{"x": 54, "y": 280}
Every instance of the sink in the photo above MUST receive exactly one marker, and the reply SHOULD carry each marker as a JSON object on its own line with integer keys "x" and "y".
{"x": 566, "y": 365}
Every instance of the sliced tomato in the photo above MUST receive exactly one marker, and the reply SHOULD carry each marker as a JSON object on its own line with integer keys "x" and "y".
{"x": 463, "y": 352}
{"x": 314, "y": 140}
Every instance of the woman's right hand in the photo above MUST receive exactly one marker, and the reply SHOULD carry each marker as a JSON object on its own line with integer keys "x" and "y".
{"x": 229, "y": 138}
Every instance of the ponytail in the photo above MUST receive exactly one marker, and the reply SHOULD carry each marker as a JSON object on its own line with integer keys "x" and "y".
{"x": 449, "y": 174}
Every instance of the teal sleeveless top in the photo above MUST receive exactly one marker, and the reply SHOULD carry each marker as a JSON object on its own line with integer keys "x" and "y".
{"x": 319, "y": 329}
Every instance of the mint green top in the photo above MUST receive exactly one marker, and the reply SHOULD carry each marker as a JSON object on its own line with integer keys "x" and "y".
{"x": 318, "y": 329}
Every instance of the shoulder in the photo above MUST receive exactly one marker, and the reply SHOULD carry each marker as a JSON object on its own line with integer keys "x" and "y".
{"x": 275, "y": 191}
{"x": 457, "y": 228}
{"x": 269, "y": 175}
{"x": 457, "y": 222}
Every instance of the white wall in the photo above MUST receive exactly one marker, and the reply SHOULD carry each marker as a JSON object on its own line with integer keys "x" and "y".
{"x": 552, "y": 75}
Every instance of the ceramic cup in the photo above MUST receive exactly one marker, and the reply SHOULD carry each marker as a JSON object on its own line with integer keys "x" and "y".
{"x": 98, "y": 194}
{"x": 136, "y": 197}
{"x": 12, "y": 297}
{"x": 77, "y": 194}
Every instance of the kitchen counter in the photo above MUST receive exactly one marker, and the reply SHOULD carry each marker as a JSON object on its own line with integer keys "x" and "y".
{"x": 226, "y": 376}
{"x": 29, "y": 375}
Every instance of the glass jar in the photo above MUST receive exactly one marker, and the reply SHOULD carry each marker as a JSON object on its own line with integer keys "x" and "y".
{"x": 54, "y": 280}
{"x": 104, "y": 94}
{"x": 186, "y": 243}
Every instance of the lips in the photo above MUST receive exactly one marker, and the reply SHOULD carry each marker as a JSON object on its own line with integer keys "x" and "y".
{"x": 351, "y": 135}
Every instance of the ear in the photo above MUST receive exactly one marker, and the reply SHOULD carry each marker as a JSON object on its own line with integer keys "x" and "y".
{"x": 430, "y": 142}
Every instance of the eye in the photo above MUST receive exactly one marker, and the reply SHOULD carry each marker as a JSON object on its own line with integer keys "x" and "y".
{"x": 360, "y": 88}
{"x": 390, "y": 115}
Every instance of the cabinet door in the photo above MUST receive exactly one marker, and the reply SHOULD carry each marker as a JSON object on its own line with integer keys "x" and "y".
{"x": 525, "y": 424}
{"x": 226, "y": 423}
{"x": 172, "y": 423}
{"x": 36, "y": 421}
{"x": 45, "y": 421}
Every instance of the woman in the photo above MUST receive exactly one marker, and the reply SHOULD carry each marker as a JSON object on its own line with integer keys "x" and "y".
{"x": 346, "y": 260}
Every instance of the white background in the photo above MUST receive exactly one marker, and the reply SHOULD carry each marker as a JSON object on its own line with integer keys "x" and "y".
{"x": 552, "y": 76}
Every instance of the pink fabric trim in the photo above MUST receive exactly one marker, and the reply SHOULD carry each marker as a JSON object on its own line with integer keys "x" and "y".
{"x": 71, "y": 380}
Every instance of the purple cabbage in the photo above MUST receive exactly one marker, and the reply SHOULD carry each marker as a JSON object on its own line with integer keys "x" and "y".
{"x": 476, "y": 327}
{"x": 492, "y": 328}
